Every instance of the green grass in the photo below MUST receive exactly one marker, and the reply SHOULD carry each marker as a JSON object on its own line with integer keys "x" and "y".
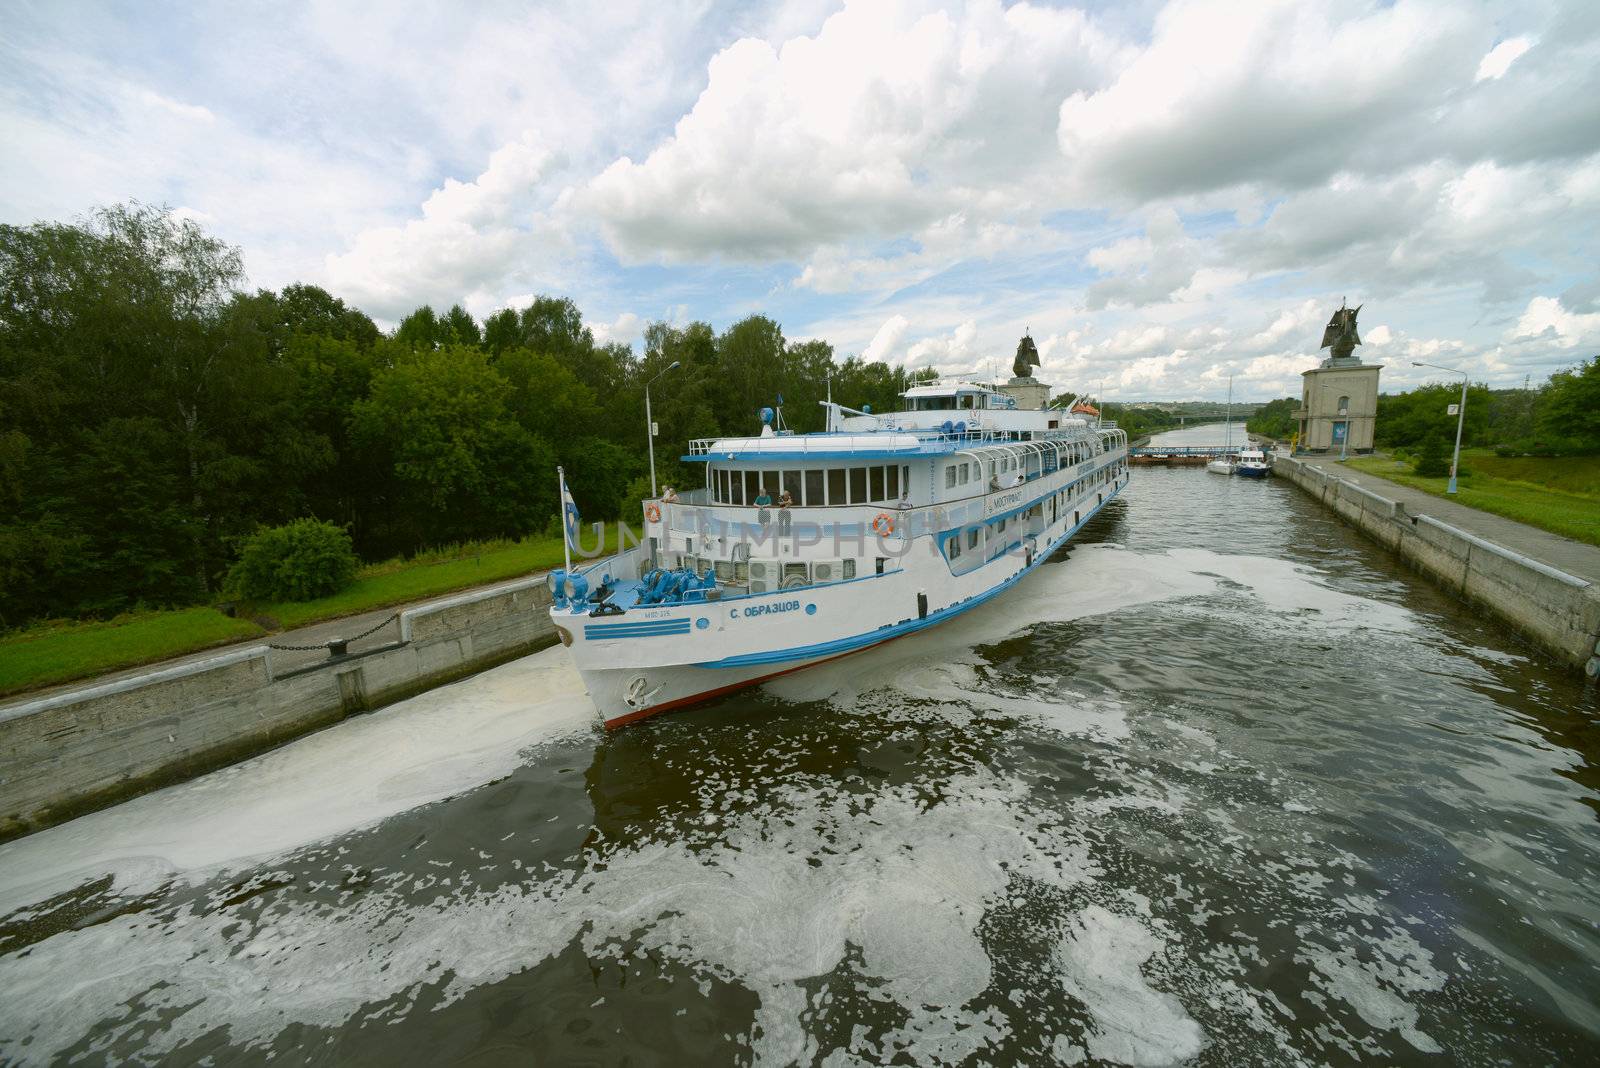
{"x": 396, "y": 582}
{"x": 1558, "y": 494}
{"x": 58, "y": 652}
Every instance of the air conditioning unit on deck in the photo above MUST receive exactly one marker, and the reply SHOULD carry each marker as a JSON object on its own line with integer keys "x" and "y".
{"x": 832, "y": 570}
{"x": 765, "y": 575}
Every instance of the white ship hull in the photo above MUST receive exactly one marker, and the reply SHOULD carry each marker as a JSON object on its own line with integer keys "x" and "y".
{"x": 652, "y": 659}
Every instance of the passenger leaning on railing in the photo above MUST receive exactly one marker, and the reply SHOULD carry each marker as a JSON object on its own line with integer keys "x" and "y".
{"x": 763, "y": 502}
{"x": 785, "y": 502}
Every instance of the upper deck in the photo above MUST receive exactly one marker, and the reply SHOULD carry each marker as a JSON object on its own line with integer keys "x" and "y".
{"x": 939, "y": 420}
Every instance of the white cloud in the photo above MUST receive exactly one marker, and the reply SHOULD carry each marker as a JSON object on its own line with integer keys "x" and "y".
{"x": 1164, "y": 194}
{"x": 896, "y": 114}
{"x": 624, "y": 329}
{"x": 885, "y": 343}
{"x": 1277, "y": 92}
{"x": 955, "y": 353}
{"x": 1498, "y": 59}
{"x": 1546, "y": 320}
{"x": 468, "y": 238}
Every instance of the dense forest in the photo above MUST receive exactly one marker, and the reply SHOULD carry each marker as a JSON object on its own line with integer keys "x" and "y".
{"x": 153, "y": 414}
{"x": 1561, "y": 418}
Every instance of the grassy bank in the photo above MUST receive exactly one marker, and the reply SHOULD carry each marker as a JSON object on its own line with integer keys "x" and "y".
{"x": 42, "y": 656}
{"x": 397, "y": 582}
{"x": 1558, "y": 494}
{"x": 61, "y": 652}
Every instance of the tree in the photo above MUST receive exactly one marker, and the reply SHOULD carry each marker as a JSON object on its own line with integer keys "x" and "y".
{"x": 459, "y": 328}
{"x": 463, "y": 467}
{"x": 1569, "y": 411}
{"x": 1406, "y": 420}
{"x": 750, "y": 358}
{"x": 126, "y": 319}
{"x": 419, "y": 330}
{"x": 1432, "y": 461}
{"x": 1275, "y": 419}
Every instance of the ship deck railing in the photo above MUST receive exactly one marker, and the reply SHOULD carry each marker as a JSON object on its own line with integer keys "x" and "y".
{"x": 930, "y": 442}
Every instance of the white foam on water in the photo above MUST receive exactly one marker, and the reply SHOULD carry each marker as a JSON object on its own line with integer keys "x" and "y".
{"x": 1394, "y": 965}
{"x": 936, "y": 664}
{"x": 777, "y": 899}
{"x": 341, "y": 779}
{"x": 1100, "y": 958}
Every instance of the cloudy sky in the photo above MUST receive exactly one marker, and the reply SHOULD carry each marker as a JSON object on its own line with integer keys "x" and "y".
{"x": 1164, "y": 194}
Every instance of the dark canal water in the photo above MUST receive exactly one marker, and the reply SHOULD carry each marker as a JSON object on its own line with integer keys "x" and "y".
{"x": 1219, "y": 785}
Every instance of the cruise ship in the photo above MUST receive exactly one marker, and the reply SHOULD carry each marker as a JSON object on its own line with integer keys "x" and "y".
{"x": 801, "y": 548}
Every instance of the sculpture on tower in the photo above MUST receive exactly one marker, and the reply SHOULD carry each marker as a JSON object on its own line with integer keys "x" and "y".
{"x": 1340, "y": 337}
{"x": 1027, "y": 358}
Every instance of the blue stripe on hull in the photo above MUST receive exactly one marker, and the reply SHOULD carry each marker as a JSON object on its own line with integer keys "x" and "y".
{"x": 651, "y": 629}
{"x": 884, "y": 633}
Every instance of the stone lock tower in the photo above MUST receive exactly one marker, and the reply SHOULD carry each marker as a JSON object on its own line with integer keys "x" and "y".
{"x": 1339, "y": 399}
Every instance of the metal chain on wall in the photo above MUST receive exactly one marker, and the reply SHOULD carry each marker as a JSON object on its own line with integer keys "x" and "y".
{"x": 341, "y": 641}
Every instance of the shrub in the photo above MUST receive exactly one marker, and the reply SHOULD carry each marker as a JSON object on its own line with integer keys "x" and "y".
{"x": 1431, "y": 462}
{"x": 298, "y": 561}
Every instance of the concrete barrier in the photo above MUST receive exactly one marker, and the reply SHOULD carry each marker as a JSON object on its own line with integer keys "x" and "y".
{"x": 1558, "y": 612}
{"x": 84, "y": 748}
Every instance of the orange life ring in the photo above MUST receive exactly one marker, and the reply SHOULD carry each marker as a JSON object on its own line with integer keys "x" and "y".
{"x": 652, "y": 512}
{"x": 883, "y": 525}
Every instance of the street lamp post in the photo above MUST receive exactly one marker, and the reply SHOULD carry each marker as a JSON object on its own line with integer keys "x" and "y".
{"x": 1461, "y": 418}
{"x": 650, "y": 425}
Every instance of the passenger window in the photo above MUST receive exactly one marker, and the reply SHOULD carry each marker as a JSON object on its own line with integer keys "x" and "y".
{"x": 791, "y": 483}
{"x": 875, "y": 490}
{"x": 858, "y": 485}
{"x": 950, "y": 477}
{"x": 813, "y": 489}
{"x": 836, "y": 494}
{"x": 972, "y": 537}
{"x": 893, "y": 493}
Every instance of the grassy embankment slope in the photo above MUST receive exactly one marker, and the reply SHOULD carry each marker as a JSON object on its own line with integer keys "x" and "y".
{"x": 60, "y": 652}
{"x": 1558, "y": 494}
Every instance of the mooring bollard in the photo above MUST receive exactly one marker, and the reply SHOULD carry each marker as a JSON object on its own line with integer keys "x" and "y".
{"x": 338, "y": 647}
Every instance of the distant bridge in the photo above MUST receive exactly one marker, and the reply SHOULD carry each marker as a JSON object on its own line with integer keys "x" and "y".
{"x": 1186, "y": 450}
{"x": 1181, "y": 454}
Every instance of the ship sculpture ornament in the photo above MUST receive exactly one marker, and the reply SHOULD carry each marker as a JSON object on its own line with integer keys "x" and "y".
{"x": 1027, "y": 358}
{"x": 1340, "y": 337}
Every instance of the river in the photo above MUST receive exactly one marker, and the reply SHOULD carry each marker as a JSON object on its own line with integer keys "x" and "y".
{"x": 1219, "y": 784}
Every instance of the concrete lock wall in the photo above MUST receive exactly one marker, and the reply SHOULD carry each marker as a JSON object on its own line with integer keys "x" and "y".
{"x": 89, "y": 747}
{"x": 1559, "y": 613}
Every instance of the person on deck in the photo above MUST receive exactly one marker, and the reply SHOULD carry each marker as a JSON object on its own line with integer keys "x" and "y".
{"x": 785, "y": 502}
{"x": 669, "y": 496}
{"x": 763, "y": 501}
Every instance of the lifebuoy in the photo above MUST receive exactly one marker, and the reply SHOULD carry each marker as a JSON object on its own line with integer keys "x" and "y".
{"x": 883, "y": 525}
{"x": 652, "y": 512}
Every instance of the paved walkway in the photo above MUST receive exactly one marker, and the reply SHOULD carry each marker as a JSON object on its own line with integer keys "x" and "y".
{"x": 1573, "y": 557}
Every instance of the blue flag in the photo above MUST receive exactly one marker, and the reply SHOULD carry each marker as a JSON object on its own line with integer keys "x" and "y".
{"x": 569, "y": 515}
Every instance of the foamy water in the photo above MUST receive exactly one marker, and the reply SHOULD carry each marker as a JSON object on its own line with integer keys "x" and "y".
{"x": 1111, "y": 817}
